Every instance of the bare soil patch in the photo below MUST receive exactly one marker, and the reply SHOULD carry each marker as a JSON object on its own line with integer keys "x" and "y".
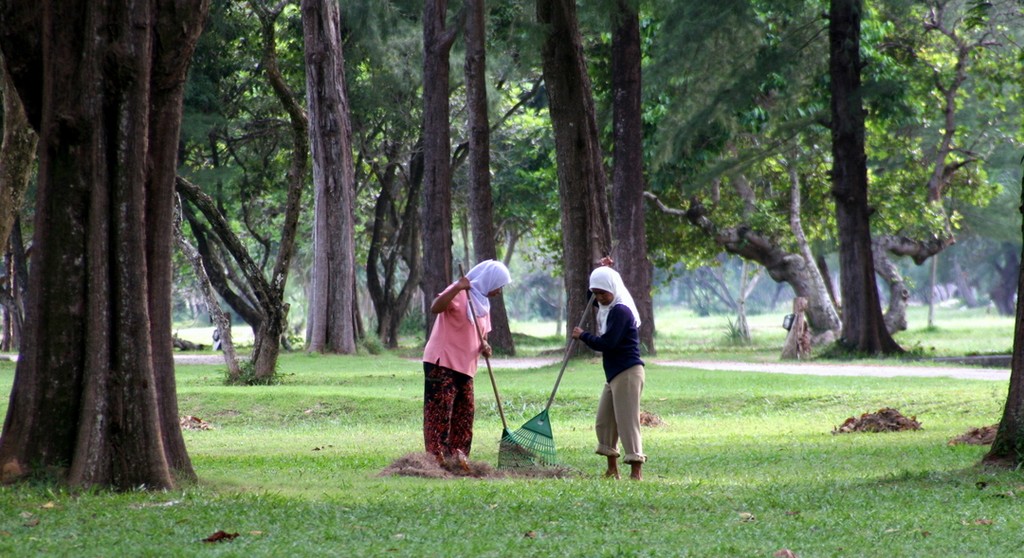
{"x": 885, "y": 420}
{"x": 424, "y": 465}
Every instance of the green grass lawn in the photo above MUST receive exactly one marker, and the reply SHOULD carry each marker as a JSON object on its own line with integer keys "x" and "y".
{"x": 745, "y": 465}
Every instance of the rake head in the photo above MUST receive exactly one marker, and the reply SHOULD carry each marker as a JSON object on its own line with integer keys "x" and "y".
{"x": 530, "y": 447}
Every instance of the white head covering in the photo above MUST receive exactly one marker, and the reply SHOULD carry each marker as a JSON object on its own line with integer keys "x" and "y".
{"x": 607, "y": 279}
{"x": 484, "y": 278}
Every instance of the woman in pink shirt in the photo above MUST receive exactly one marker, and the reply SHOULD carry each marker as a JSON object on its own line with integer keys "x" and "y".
{"x": 450, "y": 360}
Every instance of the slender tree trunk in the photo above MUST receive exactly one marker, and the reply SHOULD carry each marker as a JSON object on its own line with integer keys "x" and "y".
{"x": 931, "y": 291}
{"x": 267, "y": 343}
{"x": 332, "y": 301}
{"x": 582, "y": 184}
{"x": 863, "y": 327}
{"x": 821, "y": 305}
{"x": 220, "y": 319}
{"x": 481, "y": 205}
{"x": 394, "y": 240}
{"x": 89, "y": 396}
{"x": 628, "y": 172}
{"x": 437, "y": 176}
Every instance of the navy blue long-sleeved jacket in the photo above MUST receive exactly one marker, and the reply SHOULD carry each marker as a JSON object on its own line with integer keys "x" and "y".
{"x": 620, "y": 344}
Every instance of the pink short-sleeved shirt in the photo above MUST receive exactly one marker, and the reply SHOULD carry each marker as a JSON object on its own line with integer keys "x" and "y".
{"x": 453, "y": 342}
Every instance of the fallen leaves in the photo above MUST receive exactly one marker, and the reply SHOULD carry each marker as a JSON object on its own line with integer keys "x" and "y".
{"x": 189, "y": 422}
{"x": 220, "y": 536}
{"x": 650, "y": 419}
{"x": 885, "y": 420}
{"x": 977, "y": 436}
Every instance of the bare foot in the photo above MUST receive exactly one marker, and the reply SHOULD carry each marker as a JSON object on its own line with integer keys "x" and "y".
{"x": 461, "y": 461}
{"x": 613, "y": 468}
{"x": 636, "y": 472}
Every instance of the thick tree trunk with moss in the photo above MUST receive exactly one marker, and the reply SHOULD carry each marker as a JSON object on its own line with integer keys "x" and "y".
{"x": 332, "y": 308}
{"x": 582, "y": 184}
{"x": 90, "y": 396}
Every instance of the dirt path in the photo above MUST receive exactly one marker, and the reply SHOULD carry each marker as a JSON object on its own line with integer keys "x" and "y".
{"x": 819, "y": 369}
{"x": 811, "y": 368}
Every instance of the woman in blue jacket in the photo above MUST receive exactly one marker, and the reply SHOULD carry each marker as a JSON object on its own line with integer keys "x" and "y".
{"x": 618, "y": 340}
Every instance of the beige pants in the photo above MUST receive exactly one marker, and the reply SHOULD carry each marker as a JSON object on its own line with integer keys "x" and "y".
{"x": 618, "y": 416}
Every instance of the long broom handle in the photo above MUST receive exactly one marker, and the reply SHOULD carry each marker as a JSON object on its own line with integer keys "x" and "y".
{"x": 568, "y": 351}
{"x": 472, "y": 310}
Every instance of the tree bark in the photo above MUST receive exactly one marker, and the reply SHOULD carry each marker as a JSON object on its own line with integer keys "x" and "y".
{"x": 481, "y": 204}
{"x": 863, "y": 326}
{"x": 582, "y": 184}
{"x": 90, "y": 392}
{"x": 332, "y": 307}
{"x": 1008, "y": 446}
{"x": 267, "y": 342}
{"x": 627, "y": 166}
{"x": 17, "y": 154}
{"x": 437, "y": 175}
{"x": 176, "y": 33}
{"x": 822, "y": 305}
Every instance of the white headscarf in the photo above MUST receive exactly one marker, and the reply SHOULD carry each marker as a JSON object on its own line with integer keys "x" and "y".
{"x": 607, "y": 279}
{"x": 484, "y": 278}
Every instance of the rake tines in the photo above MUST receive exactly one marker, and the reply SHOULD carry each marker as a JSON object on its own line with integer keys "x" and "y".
{"x": 530, "y": 447}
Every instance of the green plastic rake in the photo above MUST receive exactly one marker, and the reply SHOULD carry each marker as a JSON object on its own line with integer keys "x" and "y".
{"x": 533, "y": 445}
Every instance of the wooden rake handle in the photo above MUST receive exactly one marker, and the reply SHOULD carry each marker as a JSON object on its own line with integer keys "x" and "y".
{"x": 480, "y": 335}
{"x": 568, "y": 351}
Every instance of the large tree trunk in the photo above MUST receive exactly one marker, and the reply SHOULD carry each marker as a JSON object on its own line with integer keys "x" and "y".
{"x": 89, "y": 395}
{"x": 863, "y": 327}
{"x": 1008, "y": 446}
{"x": 481, "y": 205}
{"x": 437, "y": 174}
{"x": 582, "y": 184}
{"x": 176, "y": 34}
{"x": 627, "y": 171}
{"x": 332, "y": 308}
